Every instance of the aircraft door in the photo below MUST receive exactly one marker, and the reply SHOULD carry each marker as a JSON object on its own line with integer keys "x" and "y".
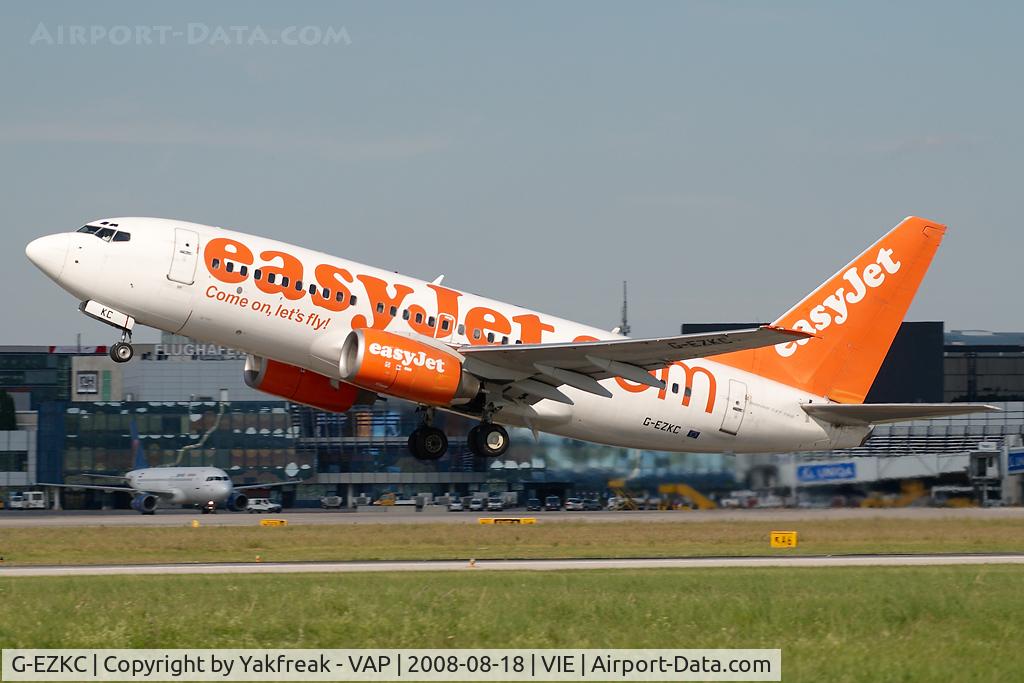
{"x": 186, "y": 256}
{"x": 445, "y": 326}
{"x": 736, "y": 407}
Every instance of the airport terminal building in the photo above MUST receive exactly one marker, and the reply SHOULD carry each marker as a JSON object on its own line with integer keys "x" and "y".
{"x": 191, "y": 406}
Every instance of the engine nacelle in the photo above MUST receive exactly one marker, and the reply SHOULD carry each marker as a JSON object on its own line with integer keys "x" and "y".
{"x": 144, "y": 503}
{"x": 300, "y": 385}
{"x": 406, "y": 367}
{"x": 236, "y": 502}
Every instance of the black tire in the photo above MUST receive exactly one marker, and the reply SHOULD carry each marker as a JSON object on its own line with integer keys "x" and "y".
{"x": 428, "y": 443}
{"x": 491, "y": 440}
{"x": 122, "y": 352}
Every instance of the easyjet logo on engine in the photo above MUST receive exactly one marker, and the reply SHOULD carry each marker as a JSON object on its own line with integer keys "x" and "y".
{"x": 837, "y": 307}
{"x": 408, "y": 359}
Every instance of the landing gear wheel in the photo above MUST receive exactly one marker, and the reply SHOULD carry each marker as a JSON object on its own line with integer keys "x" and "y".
{"x": 122, "y": 352}
{"x": 428, "y": 443}
{"x": 488, "y": 440}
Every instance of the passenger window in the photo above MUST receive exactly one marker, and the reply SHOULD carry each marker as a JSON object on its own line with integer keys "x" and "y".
{"x": 257, "y": 274}
{"x": 215, "y": 264}
{"x": 675, "y": 388}
{"x": 405, "y": 314}
{"x": 519, "y": 341}
{"x": 462, "y": 329}
{"x": 312, "y": 290}
{"x": 419, "y": 317}
{"x": 504, "y": 340}
{"x": 243, "y": 270}
{"x": 284, "y": 280}
{"x": 490, "y": 337}
{"x": 298, "y": 285}
{"x": 445, "y": 324}
{"x": 394, "y": 311}
{"x": 352, "y": 300}
{"x": 340, "y": 296}
{"x": 430, "y": 321}
{"x": 380, "y": 306}
{"x": 122, "y": 236}
{"x": 476, "y": 334}
{"x": 325, "y": 293}
{"x": 271, "y": 277}
{"x": 229, "y": 266}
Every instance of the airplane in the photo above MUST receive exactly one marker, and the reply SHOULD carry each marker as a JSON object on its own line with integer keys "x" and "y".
{"x": 202, "y": 487}
{"x": 332, "y": 333}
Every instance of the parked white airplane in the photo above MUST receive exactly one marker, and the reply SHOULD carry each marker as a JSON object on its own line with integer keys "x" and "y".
{"x": 203, "y": 487}
{"x": 330, "y": 333}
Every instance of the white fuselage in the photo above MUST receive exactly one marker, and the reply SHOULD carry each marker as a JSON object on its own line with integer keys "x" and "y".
{"x": 184, "y": 485}
{"x": 162, "y": 277}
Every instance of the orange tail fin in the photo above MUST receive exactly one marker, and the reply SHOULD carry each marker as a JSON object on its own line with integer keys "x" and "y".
{"x": 854, "y": 316}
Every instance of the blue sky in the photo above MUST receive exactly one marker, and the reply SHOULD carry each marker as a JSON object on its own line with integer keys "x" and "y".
{"x": 724, "y": 158}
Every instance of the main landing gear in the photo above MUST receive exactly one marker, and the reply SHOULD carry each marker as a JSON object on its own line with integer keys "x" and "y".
{"x": 123, "y": 351}
{"x": 486, "y": 440}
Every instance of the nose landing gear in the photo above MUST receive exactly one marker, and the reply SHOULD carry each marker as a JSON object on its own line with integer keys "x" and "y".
{"x": 123, "y": 351}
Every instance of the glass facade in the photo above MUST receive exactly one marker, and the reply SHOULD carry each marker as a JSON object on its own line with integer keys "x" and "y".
{"x": 42, "y": 375}
{"x": 254, "y": 441}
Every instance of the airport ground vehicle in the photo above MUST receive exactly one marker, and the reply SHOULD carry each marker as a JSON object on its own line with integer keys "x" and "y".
{"x": 262, "y": 505}
{"x": 456, "y": 505}
{"x": 591, "y": 504}
{"x": 533, "y": 505}
{"x": 573, "y": 504}
{"x": 328, "y": 502}
{"x": 476, "y": 505}
{"x": 553, "y": 503}
{"x": 494, "y": 504}
{"x": 29, "y": 500}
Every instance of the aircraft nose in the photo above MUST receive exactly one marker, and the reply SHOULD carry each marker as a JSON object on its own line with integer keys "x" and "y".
{"x": 48, "y": 254}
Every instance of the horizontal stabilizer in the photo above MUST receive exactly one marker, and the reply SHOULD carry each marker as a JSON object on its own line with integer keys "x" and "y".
{"x": 878, "y": 413}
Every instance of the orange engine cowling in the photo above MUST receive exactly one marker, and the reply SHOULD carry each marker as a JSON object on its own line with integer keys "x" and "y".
{"x": 406, "y": 367}
{"x": 300, "y": 385}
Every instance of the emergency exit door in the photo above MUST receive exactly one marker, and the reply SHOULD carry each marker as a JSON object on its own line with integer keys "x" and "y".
{"x": 186, "y": 256}
{"x": 735, "y": 408}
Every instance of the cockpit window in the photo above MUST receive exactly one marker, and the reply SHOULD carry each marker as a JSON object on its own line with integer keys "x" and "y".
{"x": 106, "y": 234}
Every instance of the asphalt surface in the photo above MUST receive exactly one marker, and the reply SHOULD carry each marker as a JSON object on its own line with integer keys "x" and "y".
{"x": 515, "y": 565}
{"x": 438, "y": 514}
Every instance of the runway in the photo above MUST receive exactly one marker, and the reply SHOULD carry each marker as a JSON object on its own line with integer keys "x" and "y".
{"x": 438, "y": 514}
{"x": 517, "y": 565}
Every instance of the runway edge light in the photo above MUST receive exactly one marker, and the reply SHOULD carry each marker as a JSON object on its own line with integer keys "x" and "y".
{"x": 782, "y": 539}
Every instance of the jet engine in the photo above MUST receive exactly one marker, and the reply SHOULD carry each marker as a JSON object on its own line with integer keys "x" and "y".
{"x": 300, "y": 385}
{"x": 144, "y": 503}
{"x": 236, "y": 502}
{"x": 406, "y": 367}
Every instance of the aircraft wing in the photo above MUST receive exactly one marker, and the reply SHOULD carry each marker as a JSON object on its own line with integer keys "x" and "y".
{"x": 879, "y": 413}
{"x": 125, "y": 489}
{"x": 267, "y": 486}
{"x": 536, "y": 370}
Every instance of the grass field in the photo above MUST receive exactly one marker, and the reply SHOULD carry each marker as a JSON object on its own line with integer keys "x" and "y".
{"x": 92, "y": 545}
{"x": 849, "y": 624}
